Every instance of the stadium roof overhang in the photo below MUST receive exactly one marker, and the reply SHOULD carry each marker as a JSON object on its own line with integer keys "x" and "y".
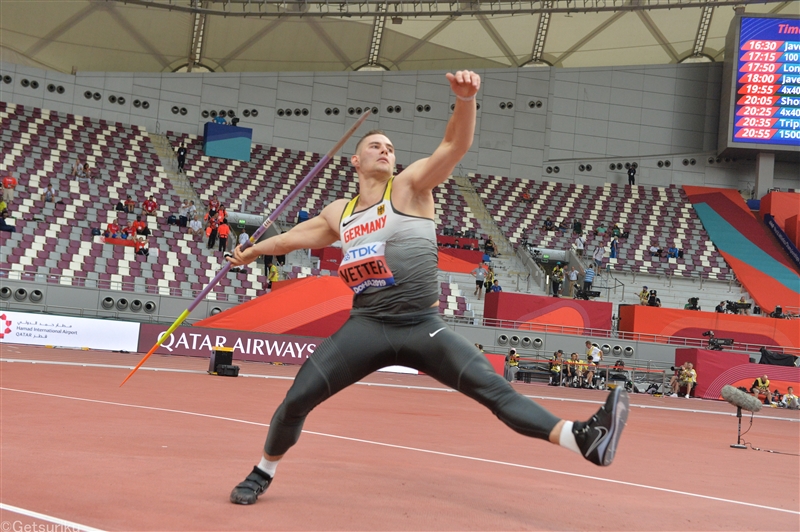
{"x": 273, "y": 35}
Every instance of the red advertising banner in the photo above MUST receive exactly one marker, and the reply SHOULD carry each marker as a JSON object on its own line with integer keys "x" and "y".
{"x": 251, "y": 346}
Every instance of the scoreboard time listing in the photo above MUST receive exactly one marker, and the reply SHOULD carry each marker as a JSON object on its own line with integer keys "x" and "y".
{"x": 767, "y": 109}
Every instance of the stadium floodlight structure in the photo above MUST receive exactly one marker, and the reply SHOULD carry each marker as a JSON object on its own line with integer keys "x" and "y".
{"x": 420, "y": 8}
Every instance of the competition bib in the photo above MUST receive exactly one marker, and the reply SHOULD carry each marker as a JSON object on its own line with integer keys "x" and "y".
{"x": 365, "y": 266}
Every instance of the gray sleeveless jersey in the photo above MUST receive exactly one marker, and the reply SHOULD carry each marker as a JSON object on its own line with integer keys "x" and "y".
{"x": 390, "y": 258}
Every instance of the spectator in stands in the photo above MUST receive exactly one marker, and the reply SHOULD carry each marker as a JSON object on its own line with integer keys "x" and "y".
{"x": 3, "y": 205}
{"x": 489, "y": 282}
{"x": 48, "y": 194}
{"x": 479, "y": 274}
{"x": 573, "y": 281}
{"x": 563, "y": 227}
{"x": 140, "y": 245}
{"x": 548, "y": 225}
{"x": 616, "y": 231}
{"x": 139, "y": 227}
{"x": 556, "y": 278}
{"x": 456, "y": 244}
{"x": 614, "y": 247}
{"x": 761, "y": 386}
{"x": 588, "y": 278}
{"x": 720, "y": 309}
{"x": 593, "y": 357}
{"x": 83, "y": 172}
{"x": 631, "y": 175}
{"x": 76, "y": 167}
{"x": 580, "y": 243}
{"x": 192, "y": 212}
{"x": 526, "y": 197}
{"x": 672, "y": 252}
{"x": 496, "y": 286}
{"x": 512, "y": 365}
{"x": 195, "y": 227}
{"x": 644, "y": 295}
{"x": 489, "y": 247}
{"x": 4, "y": 225}
{"x": 601, "y": 230}
{"x": 130, "y": 205}
{"x": 655, "y": 251}
{"x": 685, "y": 376}
{"x": 599, "y": 256}
{"x": 120, "y": 207}
{"x": 150, "y": 206}
{"x": 181, "y": 158}
{"x": 9, "y": 188}
{"x": 183, "y": 213}
{"x": 112, "y": 230}
{"x": 556, "y": 366}
{"x": 243, "y": 237}
{"x": 790, "y": 400}
{"x": 577, "y": 228}
{"x": 223, "y": 231}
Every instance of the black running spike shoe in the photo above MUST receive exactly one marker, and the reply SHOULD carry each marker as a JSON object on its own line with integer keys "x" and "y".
{"x": 248, "y": 490}
{"x": 598, "y": 437}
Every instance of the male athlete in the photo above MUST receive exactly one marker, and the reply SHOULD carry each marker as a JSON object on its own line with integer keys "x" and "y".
{"x": 390, "y": 261}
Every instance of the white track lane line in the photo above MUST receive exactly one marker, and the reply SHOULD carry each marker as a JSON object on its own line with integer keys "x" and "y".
{"x": 401, "y": 386}
{"x": 67, "y": 525}
{"x": 416, "y": 449}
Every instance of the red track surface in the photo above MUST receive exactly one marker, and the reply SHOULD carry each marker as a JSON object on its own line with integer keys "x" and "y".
{"x": 164, "y": 451}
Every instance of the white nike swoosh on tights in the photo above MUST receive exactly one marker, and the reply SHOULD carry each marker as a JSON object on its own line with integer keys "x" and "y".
{"x": 434, "y": 333}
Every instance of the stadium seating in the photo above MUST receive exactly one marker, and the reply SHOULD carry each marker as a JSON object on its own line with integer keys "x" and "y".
{"x": 258, "y": 186}
{"x": 653, "y": 216}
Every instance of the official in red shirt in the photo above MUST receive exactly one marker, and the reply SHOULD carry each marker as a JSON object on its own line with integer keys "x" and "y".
{"x": 9, "y": 183}
{"x": 138, "y": 226}
{"x": 112, "y": 231}
{"x": 150, "y": 206}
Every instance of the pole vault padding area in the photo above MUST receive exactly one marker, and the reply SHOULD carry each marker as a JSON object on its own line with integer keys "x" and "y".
{"x": 715, "y": 369}
{"x": 692, "y": 324}
{"x": 312, "y": 306}
{"x": 576, "y": 315}
{"x": 784, "y": 208}
{"x": 747, "y": 245}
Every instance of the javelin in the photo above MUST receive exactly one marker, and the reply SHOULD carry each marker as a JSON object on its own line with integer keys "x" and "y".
{"x": 260, "y": 231}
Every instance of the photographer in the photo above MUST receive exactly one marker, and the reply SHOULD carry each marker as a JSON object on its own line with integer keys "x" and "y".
{"x": 720, "y": 308}
{"x": 653, "y": 300}
{"x": 512, "y": 365}
{"x": 685, "y": 375}
{"x": 692, "y": 304}
{"x": 761, "y": 386}
{"x": 593, "y": 356}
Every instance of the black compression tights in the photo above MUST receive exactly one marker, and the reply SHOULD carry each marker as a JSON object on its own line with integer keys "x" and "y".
{"x": 366, "y": 344}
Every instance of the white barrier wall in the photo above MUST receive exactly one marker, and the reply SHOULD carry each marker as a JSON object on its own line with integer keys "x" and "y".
{"x": 64, "y": 331}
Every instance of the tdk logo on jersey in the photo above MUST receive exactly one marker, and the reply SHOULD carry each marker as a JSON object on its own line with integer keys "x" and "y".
{"x": 370, "y": 250}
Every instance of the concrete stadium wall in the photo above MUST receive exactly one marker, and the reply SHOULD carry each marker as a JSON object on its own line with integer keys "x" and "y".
{"x": 560, "y": 118}
{"x": 87, "y": 302}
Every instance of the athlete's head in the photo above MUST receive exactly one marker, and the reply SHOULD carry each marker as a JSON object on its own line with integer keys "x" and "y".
{"x": 374, "y": 154}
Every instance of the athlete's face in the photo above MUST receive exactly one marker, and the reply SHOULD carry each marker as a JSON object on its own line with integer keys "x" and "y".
{"x": 374, "y": 155}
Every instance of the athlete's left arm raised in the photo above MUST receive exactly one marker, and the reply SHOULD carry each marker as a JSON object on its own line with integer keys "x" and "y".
{"x": 426, "y": 174}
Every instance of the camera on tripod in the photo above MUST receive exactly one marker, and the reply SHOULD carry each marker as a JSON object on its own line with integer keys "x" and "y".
{"x": 735, "y": 307}
{"x": 716, "y": 344}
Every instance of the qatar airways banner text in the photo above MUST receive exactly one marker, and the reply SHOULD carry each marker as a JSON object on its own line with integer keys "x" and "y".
{"x": 247, "y": 345}
{"x": 67, "y": 331}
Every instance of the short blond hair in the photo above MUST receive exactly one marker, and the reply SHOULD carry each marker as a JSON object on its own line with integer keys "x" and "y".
{"x": 369, "y": 134}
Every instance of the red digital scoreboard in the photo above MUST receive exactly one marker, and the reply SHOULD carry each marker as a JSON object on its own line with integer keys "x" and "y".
{"x": 766, "y": 106}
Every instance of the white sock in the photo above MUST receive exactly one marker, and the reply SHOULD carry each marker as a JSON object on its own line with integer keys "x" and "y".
{"x": 269, "y": 467}
{"x": 567, "y": 439}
